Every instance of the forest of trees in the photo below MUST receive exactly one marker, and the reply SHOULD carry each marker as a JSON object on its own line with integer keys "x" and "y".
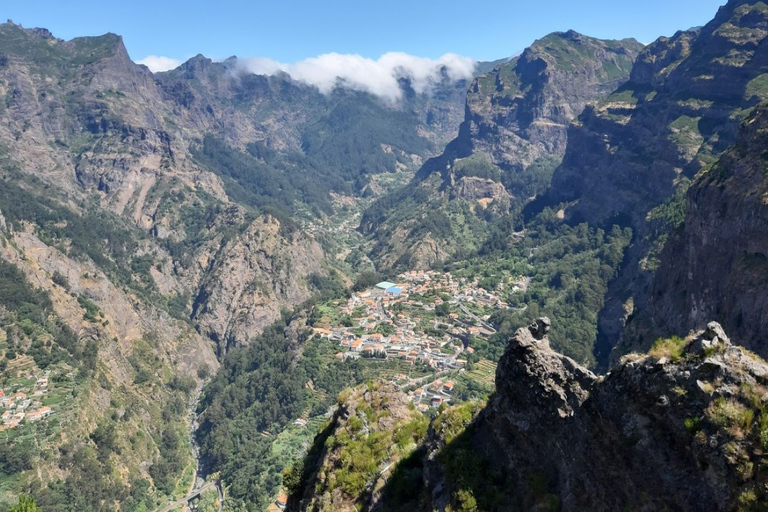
{"x": 569, "y": 268}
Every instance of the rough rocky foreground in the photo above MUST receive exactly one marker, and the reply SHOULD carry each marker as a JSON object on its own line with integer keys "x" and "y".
{"x": 684, "y": 428}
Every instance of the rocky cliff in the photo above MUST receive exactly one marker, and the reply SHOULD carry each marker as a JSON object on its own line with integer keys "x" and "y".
{"x": 513, "y": 135}
{"x": 374, "y": 428}
{"x": 716, "y": 264}
{"x": 683, "y": 428}
{"x": 630, "y": 154}
{"x": 681, "y": 108}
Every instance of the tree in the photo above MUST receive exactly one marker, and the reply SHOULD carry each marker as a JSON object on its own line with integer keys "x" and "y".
{"x": 26, "y": 504}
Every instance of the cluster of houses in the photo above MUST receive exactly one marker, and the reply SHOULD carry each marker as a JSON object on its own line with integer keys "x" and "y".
{"x": 432, "y": 395}
{"x": 387, "y": 324}
{"x": 24, "y": 404}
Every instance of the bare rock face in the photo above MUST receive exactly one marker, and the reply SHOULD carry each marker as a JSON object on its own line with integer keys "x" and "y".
{"x": 716, "y": 266}
{"x": 657, "y": 432}
{"x": 557, "y": 384}
{"x": 252, "y": 279}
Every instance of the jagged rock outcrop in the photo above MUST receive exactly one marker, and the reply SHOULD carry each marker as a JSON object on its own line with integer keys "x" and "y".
{"x": 680, "y": 429}
{"x": 514, "y": 134}
{"x": 716, "y": 265}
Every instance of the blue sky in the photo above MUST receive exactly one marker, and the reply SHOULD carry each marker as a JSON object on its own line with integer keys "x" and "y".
{"x": 291, "y": 30}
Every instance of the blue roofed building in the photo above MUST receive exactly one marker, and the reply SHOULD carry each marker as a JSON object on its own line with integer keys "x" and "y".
{"x": 394, "y": 290}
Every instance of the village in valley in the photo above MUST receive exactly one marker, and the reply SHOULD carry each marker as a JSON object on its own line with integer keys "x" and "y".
{"x": 427, "y": 319}
{"x": 25, "y": 403}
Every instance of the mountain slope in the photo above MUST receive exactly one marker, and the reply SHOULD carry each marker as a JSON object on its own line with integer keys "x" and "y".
{"x": 513, "y": 135}
{"x": 631, "y": 156}
{"x": 681, "y": 108}
{"x": 143, "y": 234}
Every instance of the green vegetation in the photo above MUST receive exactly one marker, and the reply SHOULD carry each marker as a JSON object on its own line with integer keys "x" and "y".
{"x": 685, "y": 133}
{"x": 275, "y": 188}
{"x": 362, "y": 448}
{"x": 757, "y": 88}
{"x": 476, "y": 483}
{"x": 672, "y": 348}
{"x": 49, "y": 55}
{"x": 664, "y": 220}
{"x": 477, "y": 165}
{"x": 340, "y": 150}
{"x": 258, "y": 392}
{"x": 25, "y": 504}
{"x": 569, "y": 269}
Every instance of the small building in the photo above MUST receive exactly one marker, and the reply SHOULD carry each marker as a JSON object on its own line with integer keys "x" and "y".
{"x": 394, "y": 290}
{"x": 448, "y": 387}
{"x": 281, "y": 501}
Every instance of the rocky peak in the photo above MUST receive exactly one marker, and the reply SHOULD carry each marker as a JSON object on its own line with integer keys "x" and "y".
{"x": 539, "y": 382}
{"x": 513, "y": 135}
{"x": 665, "y": 428}
{"x": 196, "y": 66}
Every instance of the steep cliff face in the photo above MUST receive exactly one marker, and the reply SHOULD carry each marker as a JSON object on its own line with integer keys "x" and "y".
{"x": 716, "y": 265}
{"x": 513, "y": 135}
{"x": 631, "y": 153}
{"x": 258, "y": 274}
{"x": 518, "y": 113}
{"x": 681, "y": 108}
{"x": 669, "y": 429}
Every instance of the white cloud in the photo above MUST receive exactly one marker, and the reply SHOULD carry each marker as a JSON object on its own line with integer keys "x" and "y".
{"x": 156, "y": 63}
{"x": 379, "y": 77}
